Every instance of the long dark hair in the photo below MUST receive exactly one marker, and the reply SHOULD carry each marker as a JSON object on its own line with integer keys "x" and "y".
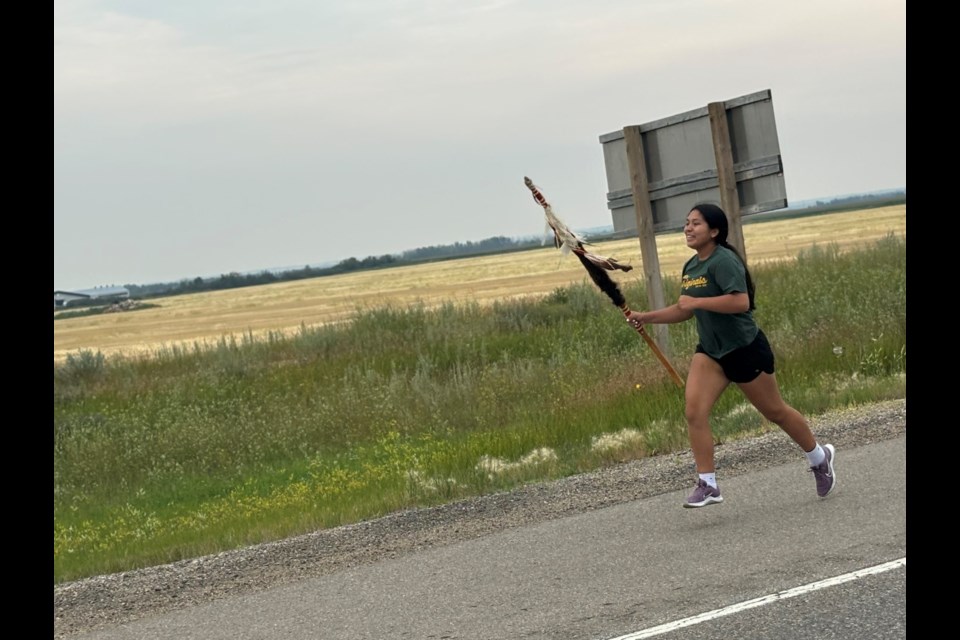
{"x": 717, "y": 219}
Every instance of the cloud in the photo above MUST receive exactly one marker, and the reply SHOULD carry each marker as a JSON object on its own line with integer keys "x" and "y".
{"x": 199, "y": 116}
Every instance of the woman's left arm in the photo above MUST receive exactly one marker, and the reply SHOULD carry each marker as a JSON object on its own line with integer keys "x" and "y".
{"x": 737, "y": 302}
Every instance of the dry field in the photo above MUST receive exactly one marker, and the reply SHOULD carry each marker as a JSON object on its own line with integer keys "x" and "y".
{"x": 283, "y": 307}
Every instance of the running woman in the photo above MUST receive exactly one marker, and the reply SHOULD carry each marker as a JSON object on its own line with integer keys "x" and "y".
{"x": 718, "y": 291}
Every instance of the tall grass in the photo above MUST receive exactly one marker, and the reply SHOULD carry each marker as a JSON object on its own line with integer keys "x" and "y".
{"x": 195, "y": 450}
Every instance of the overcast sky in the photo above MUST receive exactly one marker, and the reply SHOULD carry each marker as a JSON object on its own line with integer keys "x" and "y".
{"x": 195, "y": 138}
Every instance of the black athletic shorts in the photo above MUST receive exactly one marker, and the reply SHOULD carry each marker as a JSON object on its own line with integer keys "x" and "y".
{"x": 746, "y": 363}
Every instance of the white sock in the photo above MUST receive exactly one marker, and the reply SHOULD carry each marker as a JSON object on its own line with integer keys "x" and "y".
{"x": 709, "y": 478}
{"x": 816, "y": 455}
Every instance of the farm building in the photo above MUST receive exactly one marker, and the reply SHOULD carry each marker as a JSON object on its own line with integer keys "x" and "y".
{"x": 99, "y": 294}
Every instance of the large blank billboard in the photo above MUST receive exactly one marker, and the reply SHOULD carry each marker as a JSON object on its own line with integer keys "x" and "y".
{"x": 682, "y": 167}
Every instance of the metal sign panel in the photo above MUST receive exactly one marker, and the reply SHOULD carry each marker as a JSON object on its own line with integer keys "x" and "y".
{"x": 681, "y": 165}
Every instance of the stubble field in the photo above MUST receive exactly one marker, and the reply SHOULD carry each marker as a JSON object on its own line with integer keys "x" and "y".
{"x": 205, "y": 318}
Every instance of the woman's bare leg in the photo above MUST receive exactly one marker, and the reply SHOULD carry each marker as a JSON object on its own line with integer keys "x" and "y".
{"x": 764, "y": 394}
{"x": 705, "y": 382}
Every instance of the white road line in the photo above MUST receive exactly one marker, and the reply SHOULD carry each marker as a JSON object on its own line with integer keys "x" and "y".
{"x": 756, "y": 602}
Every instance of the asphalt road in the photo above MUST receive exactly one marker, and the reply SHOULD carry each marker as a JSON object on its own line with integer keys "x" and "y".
{"x": 631, "y": 570}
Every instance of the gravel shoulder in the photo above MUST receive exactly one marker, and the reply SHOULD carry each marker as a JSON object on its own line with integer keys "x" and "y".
{"x": 112, "y": 599}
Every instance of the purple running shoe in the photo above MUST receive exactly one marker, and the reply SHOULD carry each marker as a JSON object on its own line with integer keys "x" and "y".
{"x": 703, "y": 495}
{"x": 823, "y": 472}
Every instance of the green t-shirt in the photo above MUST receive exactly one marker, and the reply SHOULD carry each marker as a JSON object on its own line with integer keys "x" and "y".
{"x": 721, "y": 273}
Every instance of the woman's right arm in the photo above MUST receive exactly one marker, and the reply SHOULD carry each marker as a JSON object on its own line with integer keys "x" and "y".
{"x": 666, "y": 315}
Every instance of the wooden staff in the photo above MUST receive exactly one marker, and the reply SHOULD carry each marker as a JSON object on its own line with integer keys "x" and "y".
{"x": 597, "y": 267}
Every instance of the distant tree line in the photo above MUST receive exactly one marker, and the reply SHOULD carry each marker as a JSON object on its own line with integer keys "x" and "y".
{"x": 496, "y": 244}
{"x": 492, "y": 245}
{"x": 858, "y": 202}
{"x": 233, "y": 280}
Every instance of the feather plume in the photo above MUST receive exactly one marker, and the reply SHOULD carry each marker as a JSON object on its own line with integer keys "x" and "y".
{"x": 569, "y": 241}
